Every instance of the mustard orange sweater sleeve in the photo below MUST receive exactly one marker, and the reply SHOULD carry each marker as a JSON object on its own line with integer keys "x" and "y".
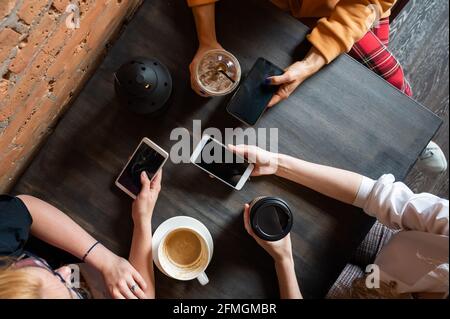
{"x": 194, "y": 3}
{"x": 346, "y": 25}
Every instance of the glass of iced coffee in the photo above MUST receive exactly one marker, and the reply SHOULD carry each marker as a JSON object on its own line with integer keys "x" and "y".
{"x": 217, "y": 73}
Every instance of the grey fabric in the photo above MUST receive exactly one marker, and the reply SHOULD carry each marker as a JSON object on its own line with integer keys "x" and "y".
{"x": 369, "y": 248}
{"x": 341, "y": 287}
{"x": 364, "y": 255}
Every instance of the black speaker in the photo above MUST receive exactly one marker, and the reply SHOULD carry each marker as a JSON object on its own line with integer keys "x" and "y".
{"x": 143, "y": 85}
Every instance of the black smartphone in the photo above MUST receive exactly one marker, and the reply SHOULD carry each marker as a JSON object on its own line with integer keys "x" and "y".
{"x": 251, "y": 98}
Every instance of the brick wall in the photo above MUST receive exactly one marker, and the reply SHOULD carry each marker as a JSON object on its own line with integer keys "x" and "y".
{"x": 43, "y": 64}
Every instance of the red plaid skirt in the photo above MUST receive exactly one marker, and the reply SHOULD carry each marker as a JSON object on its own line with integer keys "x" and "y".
{"x": 372, "y": 52}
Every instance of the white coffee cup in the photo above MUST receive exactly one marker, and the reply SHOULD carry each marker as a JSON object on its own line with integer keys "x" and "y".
{"x": 184, "y": 249}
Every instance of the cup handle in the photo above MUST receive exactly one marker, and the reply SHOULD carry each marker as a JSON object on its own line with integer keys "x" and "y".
{"x": 203, "y": 279}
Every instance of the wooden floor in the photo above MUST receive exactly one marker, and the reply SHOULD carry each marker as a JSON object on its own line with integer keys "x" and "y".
{"x": 420, "y": 40}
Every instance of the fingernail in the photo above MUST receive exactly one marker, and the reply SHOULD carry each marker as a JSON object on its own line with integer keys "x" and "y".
{"x": 267, "y": 81}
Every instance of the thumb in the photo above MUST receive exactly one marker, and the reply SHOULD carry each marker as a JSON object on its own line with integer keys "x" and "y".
{"x": 156, "y": 182}
{"x": 246, "y": 217}
{"x": 247, "y": 224}
{"x": 280, "y": 79}
{"x": 238, "y": 149}
{"x": 145, "y": 181}
{"x": 256, "y": 172}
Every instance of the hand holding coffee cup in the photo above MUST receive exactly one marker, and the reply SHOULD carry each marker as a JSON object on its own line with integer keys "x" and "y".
{"x": 279, "y": 250}
{"x": 214, "y": 72}
{"x": 202, "y": 49}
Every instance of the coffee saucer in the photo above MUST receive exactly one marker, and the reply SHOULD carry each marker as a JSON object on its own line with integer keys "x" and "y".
{"x": 174, "y": 222}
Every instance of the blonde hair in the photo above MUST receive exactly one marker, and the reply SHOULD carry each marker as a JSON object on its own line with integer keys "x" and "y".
{"x": 18, "y": 283}
{"x": 359, "y": 290}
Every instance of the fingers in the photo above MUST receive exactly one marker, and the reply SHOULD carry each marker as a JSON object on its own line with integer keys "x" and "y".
{"x": 256, "y": 172}
{"x": 156, "y": 182}
{"x": 286, "y": 77}
{"x": 241, "y": 149}
{"x": 192, "y": 68}
{"x": 283, "y": 93}
{"x": 116, "y": 294}
{"x": 147, "y": 185}
{"x": 251, "y": 153}
{"x": 274, "y": 100}
{"x": 139, "y": 293}
{"x": 196, "y": 88}
{"x": 247, "y": 226}
{"x": 244, "y": 149}
{"x": 194, "y": 84}
{"x": 288, "y": 82}
{"x": 135, "y": 281}
{"x": 145, "y": 181}
{"x": 139, "y": 280}
{"x": 126, "y": 291}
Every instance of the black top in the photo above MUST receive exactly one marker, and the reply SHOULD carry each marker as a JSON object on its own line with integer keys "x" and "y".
{"x": 15, "y": 222}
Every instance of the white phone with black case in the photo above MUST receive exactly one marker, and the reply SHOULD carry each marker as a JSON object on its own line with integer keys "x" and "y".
{"x": 216, "y": 159}
{"x": 147, "y": 157}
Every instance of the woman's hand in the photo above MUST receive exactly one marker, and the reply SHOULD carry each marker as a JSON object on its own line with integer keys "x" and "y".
{"x": 295, "y": 75}
{"x": 202, "y": 49}
{"x": 141, "y": 254}
{"x": 280, "y": 250}
{"x": 265, "y": 162}
{"x": 122, "y": 280}
{"x": 142, "y": 210}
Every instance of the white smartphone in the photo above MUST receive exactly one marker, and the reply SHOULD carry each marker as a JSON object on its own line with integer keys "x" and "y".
{"x": 147, "y": 157}
{"x": 216, "y": 159}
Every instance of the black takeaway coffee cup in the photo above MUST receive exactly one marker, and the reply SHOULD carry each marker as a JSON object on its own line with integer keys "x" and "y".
{"x": 270, "y": 218}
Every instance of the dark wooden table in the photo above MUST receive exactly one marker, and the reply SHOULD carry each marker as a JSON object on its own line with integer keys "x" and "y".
{"x": 344, "y": 116}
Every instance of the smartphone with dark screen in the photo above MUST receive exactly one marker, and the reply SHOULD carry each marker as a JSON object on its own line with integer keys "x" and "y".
{"x": 216, "y": 159}
{"x": 251, "y": 98}
{"x": 147, "y": 157}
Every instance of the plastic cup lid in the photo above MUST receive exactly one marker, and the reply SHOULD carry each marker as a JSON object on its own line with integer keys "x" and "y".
{"x": 271, "y": 218}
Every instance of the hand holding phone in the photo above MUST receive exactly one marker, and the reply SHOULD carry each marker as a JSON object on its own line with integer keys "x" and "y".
{"x": 149, "y": 158}
{"x": 254, "y": 94}
{"x": 216, "y": 159}
{"x": 143, "y": 206}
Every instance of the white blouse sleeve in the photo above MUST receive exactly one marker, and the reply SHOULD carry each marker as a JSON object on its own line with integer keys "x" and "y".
{"x": 397, "y": 207}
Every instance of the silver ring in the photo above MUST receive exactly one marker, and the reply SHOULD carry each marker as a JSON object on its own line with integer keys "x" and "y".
{"x": 132, "y": 288}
